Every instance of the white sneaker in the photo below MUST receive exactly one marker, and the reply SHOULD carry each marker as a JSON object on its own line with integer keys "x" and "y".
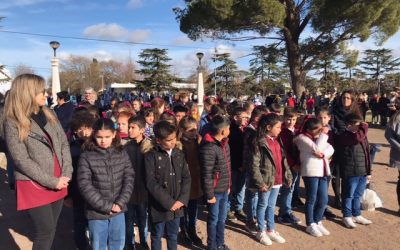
{"x": 274, "y": 236}
{"x": 322, "y": 229}
{"x": 263, "y": 238}
{"x": 361, "y": 220}
{"x": 349, "y": 223}
{"x": 313, "y": 230}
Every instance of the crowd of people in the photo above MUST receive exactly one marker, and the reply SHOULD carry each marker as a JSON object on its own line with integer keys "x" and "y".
{"x": 155, "y": 165}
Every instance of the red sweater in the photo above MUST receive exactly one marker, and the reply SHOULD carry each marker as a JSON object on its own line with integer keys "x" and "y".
{"x": 275, "y": 148}
{"x": 286, "y": 137}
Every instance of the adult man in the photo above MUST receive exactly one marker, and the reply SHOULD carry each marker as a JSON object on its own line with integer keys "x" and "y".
{"x": 64, "y": 109}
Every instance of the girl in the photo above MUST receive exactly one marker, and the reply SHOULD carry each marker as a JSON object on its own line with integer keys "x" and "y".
{"x": 148, "y": 114}
{"x": 40, "y": 151}
{"x": 314, "y": 168}
{"x": 105, "y": 180}
{"x": 392, "y": 134}
{"x": 269, "y": 172}
{"x": 194, "y": 111}
{"x": 190, "y": 139}
{"x": 158, "y": 105}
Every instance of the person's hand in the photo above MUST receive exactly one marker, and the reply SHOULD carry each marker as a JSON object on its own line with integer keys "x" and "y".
{"x": 369, "y": 177}
{"x": 115, "y": 208}
{"x": 325, "y": 130}
{"x": 263, "y": 189}
{"x": 318, "y": 154}
{"x": 62, "y": 183}
{"x": 177, "y": 205}
{"x": 289, "y": 184}
{"x": 68, "y": 202}
{"x": 212, "y": 200}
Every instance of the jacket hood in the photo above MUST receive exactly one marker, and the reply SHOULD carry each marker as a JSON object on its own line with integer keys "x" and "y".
{"x": 147, "y": 145}
{"x": 209, "y": 138}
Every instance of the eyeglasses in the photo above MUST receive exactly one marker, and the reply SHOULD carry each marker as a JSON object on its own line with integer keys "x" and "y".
{"x": 244, "y": 117}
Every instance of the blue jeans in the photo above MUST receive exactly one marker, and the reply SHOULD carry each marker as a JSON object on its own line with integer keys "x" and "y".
{"x": 296, "y": 187}
{"x": 236, "y": 197}
{"x": 157, "y": 231}
{"x": 266, "y": 209}
{"x": 188, "y": 221}
{"x": 286, "y": 196}
{"x": 216, "y": 221}
{"x": 111, "y": 230}
{"x": 251, "y": 204}
{"x": 352, "y": 191}
{"x": 316, "y": 198}
{"x": 138, "y": 214}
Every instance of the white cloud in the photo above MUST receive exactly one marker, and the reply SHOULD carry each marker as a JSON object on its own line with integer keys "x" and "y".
{"x": 134, "y": 4}
{"x": 183, "y": 40}
{"x": 116, "y": 32}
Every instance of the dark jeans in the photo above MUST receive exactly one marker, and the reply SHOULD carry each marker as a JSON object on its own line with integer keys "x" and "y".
{"x": 45, "y": 222}
{"x": 286, "y": 196}
{"x": 138, "y": 214}
{"x": 157, "y": 231}
{"x": 296, "y": 188}
{"x": 216, "y": 221}
{"x": 188, "y": 221}
{"x": 336, "y": 181}
{"x": 236, "y": 197}
{"x": 352, "y": 191}
{"x": 316, "y": 198}
{"x": 80, "y": 225}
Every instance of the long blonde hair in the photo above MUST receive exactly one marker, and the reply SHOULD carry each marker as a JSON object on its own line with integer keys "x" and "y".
{"x": 21, "y": 103}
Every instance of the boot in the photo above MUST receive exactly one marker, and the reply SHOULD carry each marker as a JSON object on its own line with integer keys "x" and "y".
{"x": 184, "y": 238}
{"x": 194, "y": 237}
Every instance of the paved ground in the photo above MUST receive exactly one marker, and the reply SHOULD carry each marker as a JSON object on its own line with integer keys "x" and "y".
{"x": 16, "y": 232}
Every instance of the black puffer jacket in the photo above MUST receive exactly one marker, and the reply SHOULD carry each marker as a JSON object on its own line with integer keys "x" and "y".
{"x": 215, "y": 165}
{"x": 105, "y": 177}
{"x": 167, "y": 180}
{"x": 236, "y": 146}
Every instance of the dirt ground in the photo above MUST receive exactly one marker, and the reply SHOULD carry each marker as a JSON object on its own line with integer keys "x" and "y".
{"x": 16, "y": 228}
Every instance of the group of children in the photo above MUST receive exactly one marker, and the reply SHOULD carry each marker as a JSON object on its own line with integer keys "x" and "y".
{"x": 153, "y": 169}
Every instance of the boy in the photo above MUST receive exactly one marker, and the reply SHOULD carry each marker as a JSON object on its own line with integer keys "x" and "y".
{"x": 216, "y": 179}
{"x": 122, "y": 122}
{"x": 137, "y": 206}
{"x": 168, "y": 182}
{"x": 355, "y": 168}
{"x": 180, "y": 111}
{"x": 239, "y": 121}
{"x": 287, "y": 134}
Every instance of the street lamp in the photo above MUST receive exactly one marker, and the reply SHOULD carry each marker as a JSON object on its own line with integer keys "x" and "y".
{"x": 55, "y": 84}
{"x": 200, "y": 84}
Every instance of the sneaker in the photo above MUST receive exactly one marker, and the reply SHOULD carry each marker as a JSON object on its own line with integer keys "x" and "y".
{"x": 263, "y": 238}
{"x": 322, "y": 229}
{"x": 251, "y": 227}
{"x": 349, "y": 223}
{"x": 274, "y": 236}
{"x": 240, "y": 215}
{"x": 223, "y": 247}
{"x": 288, "y": 219}
{"x": 231, "y": 215}
{"x": 361, "y": 220}
{"x": 194, "y": 237}
{"x": 313, "y": 230}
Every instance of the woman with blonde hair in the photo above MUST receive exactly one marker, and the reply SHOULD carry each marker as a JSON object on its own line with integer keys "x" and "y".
{"x": 41, "y": 154}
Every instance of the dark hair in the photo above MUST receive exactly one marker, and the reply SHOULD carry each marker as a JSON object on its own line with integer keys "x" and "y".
{"x": 124, "y": 114}
{"x": 238, "y": 111}
{"x": 163, "y": 129}
{"x": 138, "y": 120}
{"x": 324, "y": 110}
{"x": 248, "y": 104}
{"x": 216, "y": 110}
{"x": 352, "y": 118}
{"x": 102, "y": 124}
{"x": 275, "y": 107}
{"x": 354, "y": 105}
{"x": 81, "y": 118}
{"x": 169, "y": 117}
{"x": 180, "y": 108}
{"x": 63, "y": 95}
{"x": 218, "y": 123}
{"x": 184, "y": 123}
{"x": 270, "y": 119}
{"x": 311, "y": 124}
{"x": 289, "y": 112}
{"x": 258, "y": 112}
{"x": 147, "y": 111}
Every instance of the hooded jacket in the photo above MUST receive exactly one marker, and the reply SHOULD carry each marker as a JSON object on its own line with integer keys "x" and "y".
{"x": 215, "y": 165}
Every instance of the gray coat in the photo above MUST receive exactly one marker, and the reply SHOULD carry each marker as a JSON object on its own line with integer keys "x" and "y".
{"x": 34, "y": 158}
{"x": 393, "y": 137}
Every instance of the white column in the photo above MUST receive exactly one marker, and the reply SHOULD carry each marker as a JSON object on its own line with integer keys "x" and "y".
{"x": 55, "y": 84}
{"x": 200, "y": 90}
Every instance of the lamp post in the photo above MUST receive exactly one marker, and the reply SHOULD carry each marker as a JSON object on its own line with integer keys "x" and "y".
{"x": 200, "y": 84}
{"x": 55, "y": 84}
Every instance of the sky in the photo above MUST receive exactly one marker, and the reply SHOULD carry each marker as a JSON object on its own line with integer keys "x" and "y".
{"x": 144, "y": 23}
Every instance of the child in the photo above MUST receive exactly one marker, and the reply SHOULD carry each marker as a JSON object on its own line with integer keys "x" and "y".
{"x": 287, "y": 135}
{"x": 105, "y": 180}
{"x": 239, "y": 121}
{"x": 194, "y": 111}
{"x": 314, "y": 168}
{"x": 168, "y": 183}
{"x": 149, "y": 118}
{"x": 180, "y": 111}
{"x": 268, "y": 173}
{"x": 189, "y": 138}
{"x": 215, "y": 164}
{"x": 137, "y": 206}
{"x": 355, "y": 168}
{"x": 81, "y": 127}
{"x": 122, "y": 122}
